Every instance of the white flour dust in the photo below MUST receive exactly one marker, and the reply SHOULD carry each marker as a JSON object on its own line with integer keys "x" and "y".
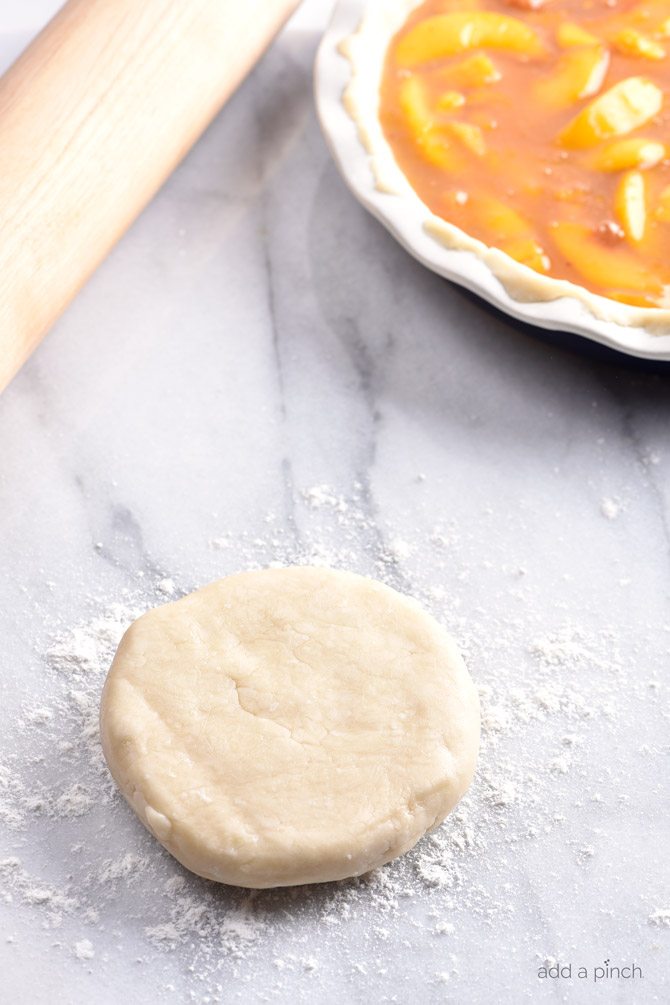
{"x": 550, "y": 691}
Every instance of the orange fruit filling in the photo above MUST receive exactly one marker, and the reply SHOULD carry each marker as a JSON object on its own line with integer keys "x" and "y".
{"x": 542, "y": 128}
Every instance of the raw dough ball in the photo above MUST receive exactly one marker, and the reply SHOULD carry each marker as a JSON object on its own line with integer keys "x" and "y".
{"x": 289, "y": 726}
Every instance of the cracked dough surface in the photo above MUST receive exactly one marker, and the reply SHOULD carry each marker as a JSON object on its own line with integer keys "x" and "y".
{"x": 289, "y": 726}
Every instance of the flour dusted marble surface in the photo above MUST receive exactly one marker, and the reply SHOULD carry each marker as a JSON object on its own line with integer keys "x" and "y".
{"x": 260, "y": 374}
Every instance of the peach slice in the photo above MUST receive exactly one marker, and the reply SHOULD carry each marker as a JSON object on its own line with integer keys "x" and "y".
{"x": 449, "y": 34}
{"x": 625, "y": 155}
{"x": 414, "y": 106}
{"x": 634, "y": 299}
{"x": 469, "y": 135}
{"x": 527, "y": 251}
{"x": 474, "y": 71}
{"x": 505, "y": 223}
{"x": 579, "y": 74}
{"x": 513, "y": 234}
{"x": 624, "y": 107}
{"x": 614, "y": 268}
{"x": 569, "y": 35}
{"x": 630, "y": 205}
{"x": 427, "y": 134}
{"x": 631, "y": 43}
{"x": 450, "y": 101}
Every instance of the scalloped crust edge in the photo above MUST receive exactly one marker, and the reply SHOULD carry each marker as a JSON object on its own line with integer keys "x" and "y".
{"x": 365, "y": 49}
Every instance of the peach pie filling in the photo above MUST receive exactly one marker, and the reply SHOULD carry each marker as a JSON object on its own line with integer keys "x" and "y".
{"x": 541, "y": 127}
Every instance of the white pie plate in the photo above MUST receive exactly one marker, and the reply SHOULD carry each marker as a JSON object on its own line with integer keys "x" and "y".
{"x": 405, "y": 215}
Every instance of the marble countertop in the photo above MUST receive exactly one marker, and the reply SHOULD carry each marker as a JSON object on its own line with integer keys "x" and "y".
{"x": 259, "y": 373}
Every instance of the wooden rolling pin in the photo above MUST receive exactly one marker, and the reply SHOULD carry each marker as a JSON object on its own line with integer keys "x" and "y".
{"x": 94, "y": 116}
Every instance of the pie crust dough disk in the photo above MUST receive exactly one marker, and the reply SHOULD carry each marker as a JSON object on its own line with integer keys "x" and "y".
{"x": 289, "y": 726}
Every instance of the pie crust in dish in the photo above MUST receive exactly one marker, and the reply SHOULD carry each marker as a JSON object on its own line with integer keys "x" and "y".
{"x": 349, "y": 73}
